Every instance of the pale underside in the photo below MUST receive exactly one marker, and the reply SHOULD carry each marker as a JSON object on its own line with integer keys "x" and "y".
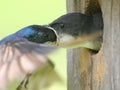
{"x": 90, "y": 41}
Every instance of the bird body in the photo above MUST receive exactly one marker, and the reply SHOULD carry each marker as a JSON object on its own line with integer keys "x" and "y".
{"x": 21, "y": 56}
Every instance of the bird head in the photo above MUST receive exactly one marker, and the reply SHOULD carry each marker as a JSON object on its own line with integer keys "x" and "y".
{"x": 38, "y": 34}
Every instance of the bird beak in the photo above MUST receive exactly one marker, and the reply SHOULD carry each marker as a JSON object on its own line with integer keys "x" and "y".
{"x": 57, "y": 40}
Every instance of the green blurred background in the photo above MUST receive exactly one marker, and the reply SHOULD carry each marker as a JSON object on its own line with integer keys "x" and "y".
{"x": 16, "y": 14}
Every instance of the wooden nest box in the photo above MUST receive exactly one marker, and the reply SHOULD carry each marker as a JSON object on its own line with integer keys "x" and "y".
{"x": 101, "y": 71}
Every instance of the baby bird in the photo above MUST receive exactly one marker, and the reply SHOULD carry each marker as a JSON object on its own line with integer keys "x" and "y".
{"x": 78, "y": 30}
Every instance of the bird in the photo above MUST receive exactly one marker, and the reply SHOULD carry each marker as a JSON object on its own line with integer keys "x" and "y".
{"x": 74, "y": 30}
{"x": 25, "y": 51}
{"x": 22, "y": 54}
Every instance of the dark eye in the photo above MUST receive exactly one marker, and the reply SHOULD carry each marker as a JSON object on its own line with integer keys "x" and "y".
{"x": 62, "y": 25}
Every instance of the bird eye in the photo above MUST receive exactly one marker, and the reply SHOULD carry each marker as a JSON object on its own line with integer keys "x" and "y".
{"x": 61, "y": 25}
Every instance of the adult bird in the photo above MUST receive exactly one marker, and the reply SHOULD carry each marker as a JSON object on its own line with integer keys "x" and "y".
{"x": 78, "y": 30}
{"x": 22, "y": 56}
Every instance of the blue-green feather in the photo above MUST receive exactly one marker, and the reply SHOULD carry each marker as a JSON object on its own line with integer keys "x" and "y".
{"x": 23, "y": 33}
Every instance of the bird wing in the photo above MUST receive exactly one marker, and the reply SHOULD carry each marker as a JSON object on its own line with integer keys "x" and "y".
{"x": 19, "y": 58}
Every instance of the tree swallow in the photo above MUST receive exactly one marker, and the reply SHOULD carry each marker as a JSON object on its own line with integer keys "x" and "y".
{"x": 78, "y": 30}
{"x": 21, "y": 55}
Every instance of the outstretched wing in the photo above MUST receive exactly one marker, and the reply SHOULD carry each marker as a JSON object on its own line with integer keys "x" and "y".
{"x": 19, "y": 58}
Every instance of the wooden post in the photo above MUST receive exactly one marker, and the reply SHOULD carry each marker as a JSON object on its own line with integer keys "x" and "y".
{"x": 111, "y": 45}
{"x": 100, "y": 71}
{"x": 79, "y": 69}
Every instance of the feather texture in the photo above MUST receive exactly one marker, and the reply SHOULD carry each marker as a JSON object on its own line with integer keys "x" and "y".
{"x": 19, "y": 58}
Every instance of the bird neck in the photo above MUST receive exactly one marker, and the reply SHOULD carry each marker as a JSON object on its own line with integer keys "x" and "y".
{"x": 92, "y": 41}
{"x": 92, "y": 44}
